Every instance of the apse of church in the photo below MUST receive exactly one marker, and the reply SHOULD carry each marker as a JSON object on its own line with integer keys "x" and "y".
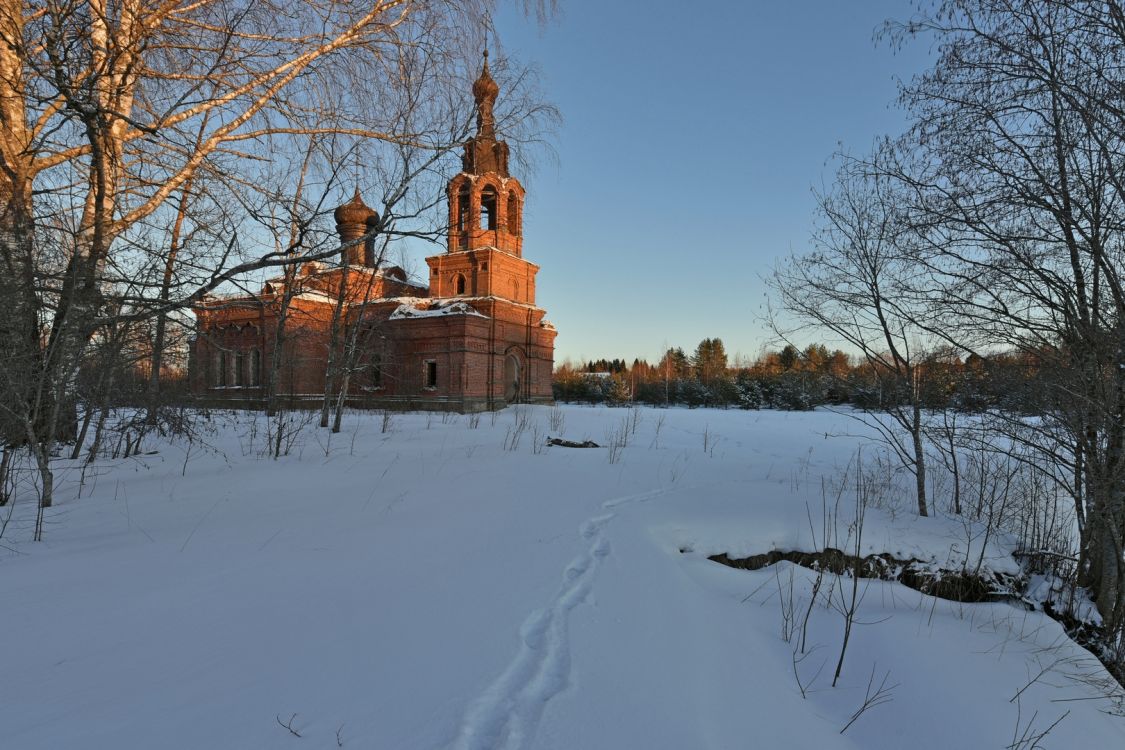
{"x": 471, "y": 339}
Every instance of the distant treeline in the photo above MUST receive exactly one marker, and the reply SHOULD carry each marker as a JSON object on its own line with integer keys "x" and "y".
{"x": 794, "y": 379}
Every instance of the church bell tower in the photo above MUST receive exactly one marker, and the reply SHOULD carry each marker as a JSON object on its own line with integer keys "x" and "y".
{"x": 485, "y": 201}
{"x": 484, "y": 255}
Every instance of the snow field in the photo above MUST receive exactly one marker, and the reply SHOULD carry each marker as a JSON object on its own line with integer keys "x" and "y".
{"x": 427, "y": 588}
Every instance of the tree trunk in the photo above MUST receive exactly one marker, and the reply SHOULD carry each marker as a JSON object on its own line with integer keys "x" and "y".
{"x": 919, "y": 459}
{"x": 333, "y": 370}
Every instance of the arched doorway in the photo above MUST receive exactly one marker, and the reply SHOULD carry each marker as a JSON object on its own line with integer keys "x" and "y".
{"x": 513, "y": 373}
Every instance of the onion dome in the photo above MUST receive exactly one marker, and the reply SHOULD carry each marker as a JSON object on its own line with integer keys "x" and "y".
{"x": 354, "y": 213}
{"x": 353, "y": 220}
{"x": 485, "y": 88}
{"x": 483, "y": 153}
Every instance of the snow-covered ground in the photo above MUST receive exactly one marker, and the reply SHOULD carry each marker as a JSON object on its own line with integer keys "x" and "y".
{"x": 429, "y": 588}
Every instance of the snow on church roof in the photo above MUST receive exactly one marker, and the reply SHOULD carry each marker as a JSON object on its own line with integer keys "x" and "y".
{"x": 407, "y": 310}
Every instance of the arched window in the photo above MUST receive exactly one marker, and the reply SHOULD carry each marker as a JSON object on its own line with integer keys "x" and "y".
{"x": 488, "y": 208}
{"x": 512, "y": 378}
{"x": 513, "y": 213}
{"x": 459, "y": 284}
{"x": 255, "y": 374}
{"x": 221, "y": 369}
{"x": 240, "y": 369}
{"x": 376, "y": 371}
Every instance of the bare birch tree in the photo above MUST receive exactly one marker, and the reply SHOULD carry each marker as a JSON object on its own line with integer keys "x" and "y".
{"x": 122, "y": 120}
{"x": 1018, "y": 140}
{"x": 856, "y": 284}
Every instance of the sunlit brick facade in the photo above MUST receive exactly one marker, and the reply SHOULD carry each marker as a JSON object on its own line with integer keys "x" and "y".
{"x": 471, "y": 339}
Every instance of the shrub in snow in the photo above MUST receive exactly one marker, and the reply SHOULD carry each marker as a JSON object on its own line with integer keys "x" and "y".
{"x": 616, "y": 391}
{"x": 724, "y": 392}
{"x": 654, "y": 393}
{"x": 750, "y": 395}
{"x": 693, "y": 393}
{"x": 791, "y": 393}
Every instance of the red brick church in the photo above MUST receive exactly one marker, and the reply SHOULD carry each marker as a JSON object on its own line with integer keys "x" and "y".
{"x": 473, "y": 339}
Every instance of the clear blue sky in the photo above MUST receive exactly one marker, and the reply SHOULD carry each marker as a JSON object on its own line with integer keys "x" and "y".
{"x": 691, "y": 141}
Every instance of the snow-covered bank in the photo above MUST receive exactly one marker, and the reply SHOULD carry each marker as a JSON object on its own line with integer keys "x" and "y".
{"x": 426, "y": 588}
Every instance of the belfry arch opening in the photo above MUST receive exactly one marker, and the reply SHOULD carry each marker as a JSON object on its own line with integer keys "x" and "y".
{"x": 488, "y": 208}
{"x": 463, "y": 208}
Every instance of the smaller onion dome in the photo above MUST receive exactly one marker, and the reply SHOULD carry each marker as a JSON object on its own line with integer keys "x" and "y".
{"x": 354, "y": 212}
